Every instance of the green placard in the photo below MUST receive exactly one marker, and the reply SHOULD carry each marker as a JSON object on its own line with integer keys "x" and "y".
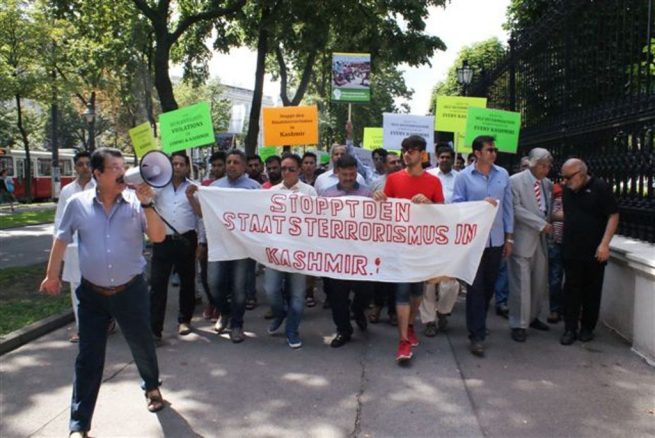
{"x": 142, "y": 139}
{"x": 267, "y": 151}
{"x": 351, "y": 77}
{"x": 373, "y": 138}
{"x": 503, "y": 125}
{"x": 186, "y": 128}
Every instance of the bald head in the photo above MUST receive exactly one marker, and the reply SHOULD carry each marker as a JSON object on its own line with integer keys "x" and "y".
{"x": 574, "y": 173}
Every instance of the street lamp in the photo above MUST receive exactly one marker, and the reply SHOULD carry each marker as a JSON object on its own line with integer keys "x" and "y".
{"x": 90, "y": 116}
{"x": 464, "y": 75}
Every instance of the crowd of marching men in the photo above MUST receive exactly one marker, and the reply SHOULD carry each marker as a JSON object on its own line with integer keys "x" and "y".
{"x": 544, "y": 258}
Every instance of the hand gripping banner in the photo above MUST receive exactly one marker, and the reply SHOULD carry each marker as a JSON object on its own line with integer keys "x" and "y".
{"x": 352, "y": 238}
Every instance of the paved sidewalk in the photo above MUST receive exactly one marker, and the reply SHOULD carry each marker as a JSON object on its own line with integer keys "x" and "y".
{"x": 25, "y": 246}
{"x": 263, "y": 388}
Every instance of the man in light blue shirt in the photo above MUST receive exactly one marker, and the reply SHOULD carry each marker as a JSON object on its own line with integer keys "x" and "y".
{"x": 231, "y": 275}
{"x": 483, "y": 180}
{"x": 110, "y": 222}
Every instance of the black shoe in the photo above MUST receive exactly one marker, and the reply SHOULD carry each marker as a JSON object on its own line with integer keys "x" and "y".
{"x": 538, "y": 325}
{"x": 361, "y": 322}
{"x": 586, "y": 335}
{"x": 502, "y": 311}
{"x": 568, "y": 338}
{"x": 519, "y": 334}
{"x": 340, "y": 340}
{"x": 554, "y": 318}
{"x": 477, "y": 348}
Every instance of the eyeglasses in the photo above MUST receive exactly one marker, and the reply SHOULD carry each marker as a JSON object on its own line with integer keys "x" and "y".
{"x": 568, "y": 177}
{"x": 491, "y": 150}
{"x": 289, "y": 169}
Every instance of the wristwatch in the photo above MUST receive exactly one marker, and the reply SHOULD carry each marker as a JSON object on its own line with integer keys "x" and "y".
{"x": 148, "y": 205}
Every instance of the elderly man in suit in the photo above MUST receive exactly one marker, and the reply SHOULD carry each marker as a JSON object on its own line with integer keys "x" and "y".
{"x": 528, "y": 264}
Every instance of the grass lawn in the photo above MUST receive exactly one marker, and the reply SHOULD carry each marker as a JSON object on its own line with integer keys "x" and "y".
{"x": 22, "y": 218}
{"x": 21, "y": 303}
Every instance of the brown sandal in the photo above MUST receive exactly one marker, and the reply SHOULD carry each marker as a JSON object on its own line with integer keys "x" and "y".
{"x": 154, "y": 400}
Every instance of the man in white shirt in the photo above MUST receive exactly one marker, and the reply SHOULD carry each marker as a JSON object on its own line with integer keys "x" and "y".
{"x": 180, "y": 212}
{"x": 84, "y": 181}
{"x": 434, "y": 309}
{"x": 295, "y": 283}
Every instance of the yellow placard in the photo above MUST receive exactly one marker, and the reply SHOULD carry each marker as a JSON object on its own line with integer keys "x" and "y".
{"x": 142, "y": 139}
{"x": 291, "y": 125}
{"x": 452, "y": 112}
{"x": 373, "y": 138}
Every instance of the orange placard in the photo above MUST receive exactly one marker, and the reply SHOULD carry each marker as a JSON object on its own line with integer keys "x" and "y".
{"x": 291, "y": 125}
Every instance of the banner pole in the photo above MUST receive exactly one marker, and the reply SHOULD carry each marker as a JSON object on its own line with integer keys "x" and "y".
{"x": 350, "y": 112}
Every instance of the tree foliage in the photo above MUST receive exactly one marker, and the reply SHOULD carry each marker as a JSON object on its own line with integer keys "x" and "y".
{"x": 481, "y": 56}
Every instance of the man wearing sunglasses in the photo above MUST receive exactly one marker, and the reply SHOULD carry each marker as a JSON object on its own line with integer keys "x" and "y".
{"x": 295, "y": 283}
{"x": 483, "y": 180}
{"x": 590, "y": 220}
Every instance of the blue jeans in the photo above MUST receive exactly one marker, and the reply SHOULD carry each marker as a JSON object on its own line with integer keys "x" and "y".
{"x": 131, "y": 310}
{"x": 273, "y": 283}
{"x": 502, "y": 284}
{"x": 224, "y": 277}
{"x": 555, "y": 275}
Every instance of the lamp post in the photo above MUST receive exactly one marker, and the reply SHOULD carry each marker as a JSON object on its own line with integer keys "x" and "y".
{"x": 90, "y": 116}
{"x": 464, "y": 75}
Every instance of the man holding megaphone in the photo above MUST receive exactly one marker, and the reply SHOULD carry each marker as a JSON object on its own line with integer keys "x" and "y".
{"x": 110, "y": 222}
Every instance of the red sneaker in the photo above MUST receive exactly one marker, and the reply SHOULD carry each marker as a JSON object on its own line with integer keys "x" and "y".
{"x": 411, "y": 336}
{"x": 404, "y": 351}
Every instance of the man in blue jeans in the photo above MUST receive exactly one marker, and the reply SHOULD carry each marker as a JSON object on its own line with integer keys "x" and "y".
{"x": 274, "y": 279}
{"x": 110, "y": 222}
{"x": 483, "y": 180}
{"x": 230, "y": 275}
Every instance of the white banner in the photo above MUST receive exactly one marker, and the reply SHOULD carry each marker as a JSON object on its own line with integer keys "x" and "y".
{"x": 351, "y": 238}
{"x": 397, "y": 127}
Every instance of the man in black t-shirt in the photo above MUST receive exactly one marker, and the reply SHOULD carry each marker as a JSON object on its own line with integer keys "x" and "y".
{"x": 590, "y": 220}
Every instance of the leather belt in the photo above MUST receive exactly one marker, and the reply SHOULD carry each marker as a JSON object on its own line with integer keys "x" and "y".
{"x": 109, "y": 291}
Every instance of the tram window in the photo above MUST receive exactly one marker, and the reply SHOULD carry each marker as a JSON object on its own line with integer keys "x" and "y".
{"x": 7, "y": 163}
{"x": 45, "y": 167}
{"x": 66, "y": 167}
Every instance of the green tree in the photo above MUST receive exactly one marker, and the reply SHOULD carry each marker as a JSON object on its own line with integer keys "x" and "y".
{"x": 211, "y": 92}
{"x": 292, "y": 37}
{"x": 481, "y": 56}
{"x": 22, "y": 36}
{"x": 189, "y": 24}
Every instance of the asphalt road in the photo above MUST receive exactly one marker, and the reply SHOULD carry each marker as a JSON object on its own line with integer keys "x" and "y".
{"x": 25, "y": 246}
{"x": 262, "y": 388}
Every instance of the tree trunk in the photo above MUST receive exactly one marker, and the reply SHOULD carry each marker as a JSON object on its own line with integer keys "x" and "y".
{"x": 255, "y": 109}
{"x": 162, "y": 79}
{"x": 26, "y": 144}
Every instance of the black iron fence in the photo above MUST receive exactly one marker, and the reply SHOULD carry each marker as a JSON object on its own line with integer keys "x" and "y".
{"x": 583, "y": 80}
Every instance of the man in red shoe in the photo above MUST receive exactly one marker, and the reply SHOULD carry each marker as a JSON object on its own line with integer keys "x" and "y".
{"x": 420, "y": 187}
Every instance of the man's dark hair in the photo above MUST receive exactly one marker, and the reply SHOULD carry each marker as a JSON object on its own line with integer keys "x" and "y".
{"x": 445, "y": 150}
{"x": 394, "y": 153}
{"x": 294, "y": 157}
{"x": 254, "y": 157}
{"x": 81, "y": 154}
{"x": 382, "y": 152}
{"x": 218, "y": 155}
{"x": 183, "y": 155}
{"x": 311, "y": 155}
{"x": 237, "y": 152}
{"x": 481, "y": 140}
{"x": 413, "y": 142}
{"x": 346, "y": 161}
{"x": 99, "y": 155}
{"x": 273, "y": 158}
